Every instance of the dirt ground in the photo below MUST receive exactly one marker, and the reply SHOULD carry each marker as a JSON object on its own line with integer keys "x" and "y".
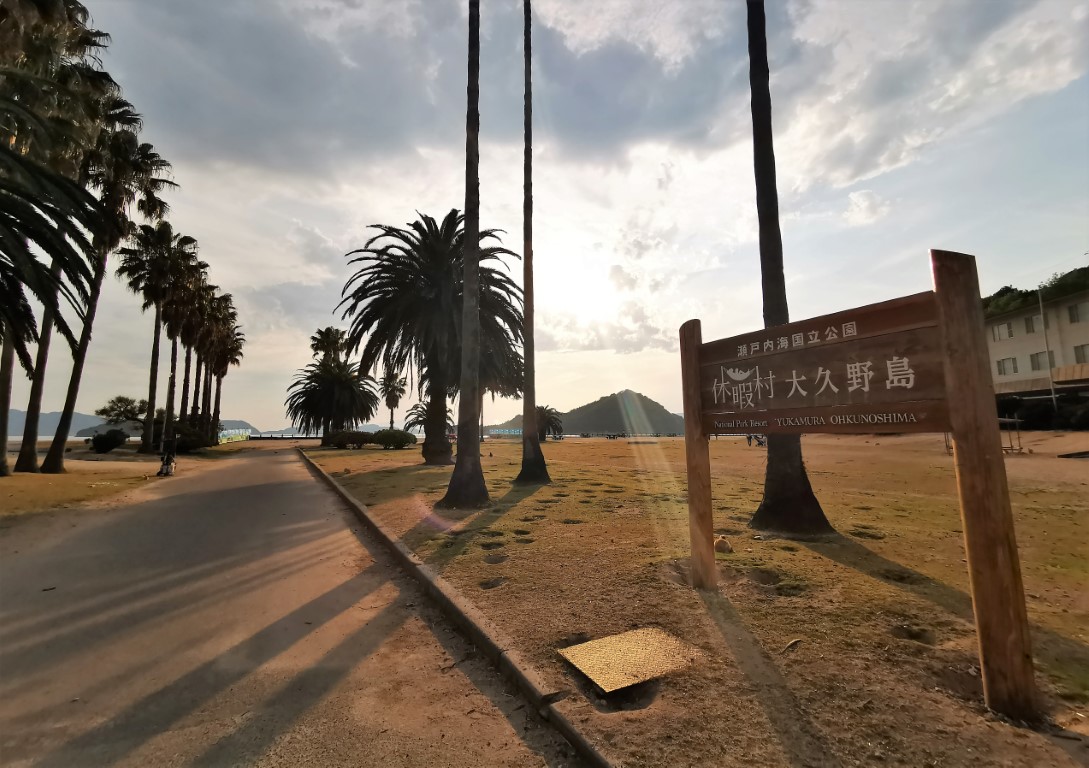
{"x": 89, "y": 477}
{"x": 854, "y": 650}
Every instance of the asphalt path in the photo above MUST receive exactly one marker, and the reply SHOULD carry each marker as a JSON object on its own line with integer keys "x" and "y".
{"x": 237, "y": 614}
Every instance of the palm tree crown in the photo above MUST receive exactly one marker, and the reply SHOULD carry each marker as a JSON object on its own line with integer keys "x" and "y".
{"x": 329, "y": 396}
{"x": 405, "y": 299}
{"x": 392, "y": 388}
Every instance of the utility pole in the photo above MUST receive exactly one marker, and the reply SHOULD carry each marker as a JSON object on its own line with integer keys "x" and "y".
{"x": 1047, "y": 350}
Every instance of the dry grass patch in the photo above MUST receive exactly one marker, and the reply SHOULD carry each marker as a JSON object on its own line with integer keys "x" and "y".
{"x": 851, "y": 650}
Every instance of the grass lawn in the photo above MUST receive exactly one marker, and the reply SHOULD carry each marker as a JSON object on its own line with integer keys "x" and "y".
{"x": 884, "y": 668}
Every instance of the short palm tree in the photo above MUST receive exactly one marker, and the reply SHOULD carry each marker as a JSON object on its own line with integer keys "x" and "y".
{"x": 405, "y": 300}
{"x": 392, "y": 388}
{"x": 329, "y": 396}
{"x": 416, "y": 418}
{"x": 549, "y": 422}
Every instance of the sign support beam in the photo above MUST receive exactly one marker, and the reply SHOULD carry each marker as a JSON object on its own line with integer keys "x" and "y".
{"x": 998, "y": 597}
{"x": 697, "y": 456}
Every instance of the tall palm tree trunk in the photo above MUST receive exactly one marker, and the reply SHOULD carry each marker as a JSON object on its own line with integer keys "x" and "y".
{"x": 533, "y": 461}
{"x": 7, "y": 371}
{"x": 391, "y": 418}
{"x": 54, "y": 459}
{"x": 789, "y": 505}
{"x": 147, "y": 441}
{"x": 213, "y": 435}
{"x": 28, "y": 450}
{"x": 467, "y": 487}
{"x": 182, "y": 415}
{"x": 436, "y": 446}
{"x": 206, "y": 403}
{"x": 168, "y": 424}
{"x": 197, "y": 380}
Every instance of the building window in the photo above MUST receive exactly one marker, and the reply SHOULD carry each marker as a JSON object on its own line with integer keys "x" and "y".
{"x": 1081, "y": 353}
{"x": 1037, "y": 361}
{"x": 1007, "y": 366}
{"x": 1079, "y": 312}
{"x": 1002, "y": 331}
{"x": 1033, "y": 323}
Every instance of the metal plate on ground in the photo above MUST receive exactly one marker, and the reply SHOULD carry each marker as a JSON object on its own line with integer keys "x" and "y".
{"x": 617, "y": 661}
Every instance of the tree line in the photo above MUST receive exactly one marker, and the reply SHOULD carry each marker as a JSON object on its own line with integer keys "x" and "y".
{"x": 75, "y": 175}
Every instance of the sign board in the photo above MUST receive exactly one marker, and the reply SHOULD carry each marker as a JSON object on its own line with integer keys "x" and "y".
{"x": 914, "y": 364}
{"x": 873, "y": 369}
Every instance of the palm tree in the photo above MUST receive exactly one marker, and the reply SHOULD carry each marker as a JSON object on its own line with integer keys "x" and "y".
{"x": 219, "y": 323}
{"x": 228, "y": 352}
{"x": 200, "y": 295}
{"x": 112, "y": 112}
{"x": 549, "y": 422}
{"x": 788, "y": 505}
{"x": 416, "y": 418}
{"x": 122, "y": 169}
{"x": 179, "y": 307}
{"x": 406, "y": 298}
{"x": 467, "y": 487}
{"x": 392, "y": 388}
{"x": 44, "y": 124}
{"x": 158, "y": 256}
{"x": 534, "y": 469}
{"x": 330, "y": 396}
{"x": 329, "y": 343}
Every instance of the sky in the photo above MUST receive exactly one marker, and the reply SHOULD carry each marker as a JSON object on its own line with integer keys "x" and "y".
{"x": 294, "y": 125}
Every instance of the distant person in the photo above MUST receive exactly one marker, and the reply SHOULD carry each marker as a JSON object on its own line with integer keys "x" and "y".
{"x": 748, "y": 439}
{"x": 761, "y": 441}
{"x": 167, "y": 468}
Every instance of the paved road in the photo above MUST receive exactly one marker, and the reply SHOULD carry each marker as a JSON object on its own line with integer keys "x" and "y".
{"x": 235, "y": 615}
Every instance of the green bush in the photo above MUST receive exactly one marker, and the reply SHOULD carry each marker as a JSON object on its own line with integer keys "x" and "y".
{"x": 188, "y": 438}
{"x": 394, "y": 438}
{"x": 104, "y": 442}
{"x": 350, "y": 439}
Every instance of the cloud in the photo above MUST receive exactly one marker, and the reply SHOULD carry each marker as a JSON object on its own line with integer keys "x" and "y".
{"x": 865, "y": 207}
{"x": 902, "y": 76}
{"x": 622, "y": 279}
{"x": 632, "y": 330}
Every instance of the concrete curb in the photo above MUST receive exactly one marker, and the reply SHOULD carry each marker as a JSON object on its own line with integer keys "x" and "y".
{"x": 488, "y": 638}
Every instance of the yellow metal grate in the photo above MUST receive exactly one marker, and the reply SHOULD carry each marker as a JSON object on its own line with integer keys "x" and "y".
{"x": 617, "y": 661}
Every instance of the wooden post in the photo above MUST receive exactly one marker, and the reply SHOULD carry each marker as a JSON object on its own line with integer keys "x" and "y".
{"x": 998, "y": 598}
{"x": 700, "y": 525}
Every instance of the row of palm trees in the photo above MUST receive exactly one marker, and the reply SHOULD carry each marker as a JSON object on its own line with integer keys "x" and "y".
{"x": 333, "y": 394}
{"x": 72, "y": 170}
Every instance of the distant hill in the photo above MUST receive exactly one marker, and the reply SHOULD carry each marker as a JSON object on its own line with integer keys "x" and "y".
{"x": 47, "y": 423}
{"x": 236, "y": 424}
{"x": 625, "y": 411}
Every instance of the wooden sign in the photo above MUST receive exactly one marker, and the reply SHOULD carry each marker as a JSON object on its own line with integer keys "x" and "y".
{"x": 915, "y": 364}
{"x": 873, "y": 369}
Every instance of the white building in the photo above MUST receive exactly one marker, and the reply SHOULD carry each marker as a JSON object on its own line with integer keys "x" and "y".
{"x": 1030, "y": 352}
